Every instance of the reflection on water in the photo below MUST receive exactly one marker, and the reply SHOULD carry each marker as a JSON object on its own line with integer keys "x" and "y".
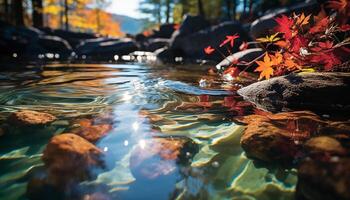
{"x": 166, "y": 134}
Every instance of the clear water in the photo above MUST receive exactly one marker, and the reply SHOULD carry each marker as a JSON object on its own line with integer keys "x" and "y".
{"x": 144, "y": 103}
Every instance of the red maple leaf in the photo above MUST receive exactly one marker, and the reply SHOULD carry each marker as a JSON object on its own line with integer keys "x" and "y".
{"x": 209, "y": 50}
{"x": 329, "y": 60}
{"x": 320, "y": 26}
{"x": 243, "y": 46}
{"x": 338, "y": 5}
{"x": 284, "y": 26}
{"x": 297, "y": 43}
{"x": 232, "y": 71}
{"x": 229, "y": 39}
{"x": 345, "y": 27}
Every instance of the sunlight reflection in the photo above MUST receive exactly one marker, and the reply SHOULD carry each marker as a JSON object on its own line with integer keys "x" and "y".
{"x": 135, "y": 126}
{"x": 142, "y": 144}
{"x": 105, "y": 149}
{"x": 126, "y": 142}
{"x": 127, "y": 96}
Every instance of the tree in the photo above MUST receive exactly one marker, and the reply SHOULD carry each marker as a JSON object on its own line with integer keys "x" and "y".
{"x": 37, "y": 15}
{"x": 17, "y": 10}
{"x": 200, "y": 8}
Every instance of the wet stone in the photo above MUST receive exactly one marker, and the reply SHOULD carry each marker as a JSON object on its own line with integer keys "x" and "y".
{"x": 30, "y": 118}
{"x": 69, "y": 158}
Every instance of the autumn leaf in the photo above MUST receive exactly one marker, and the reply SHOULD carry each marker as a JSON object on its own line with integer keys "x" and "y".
{"x": 328, "y": 60}
{"x": 302, "y": 19}
{"x": 209, "y": 50}
{"x": 338, "y": 5}
{"x": 282, "y": 44}
{"x": 271, "y": 39}
{"x": 320, "y": 26}
{"x": 232, "y": 71}
{"x": 344, "y": 28}
{"x": 243, "y": 46}
{"x": 229, "y": 39}
{"x": 265, "y": 67}
{"x": 298, "y": 42}
{"x": 284, "y": 26}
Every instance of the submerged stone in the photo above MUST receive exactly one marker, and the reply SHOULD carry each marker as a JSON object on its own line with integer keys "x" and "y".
{"x": 31, "y": 118}
{"x": 290, "y": 135}
{"x": 69, "y": 157}
{"x": 90, "y": 131}
{"x": 327, "y": 179}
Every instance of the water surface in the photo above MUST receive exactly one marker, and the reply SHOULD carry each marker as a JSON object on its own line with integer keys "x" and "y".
{"x": 152, "y": 108}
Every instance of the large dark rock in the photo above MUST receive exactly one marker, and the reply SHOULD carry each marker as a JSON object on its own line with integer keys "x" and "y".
{"x": 244, "y": 56}
{"x": 312, "y": 91}
{"x": 326, "y": 179}
{"x": 191, "y": 46}
{"x": 89, "y": 44}
{"x": 191, "y": 24}
{"x": 73, "y": 38}
{"x": 265, "y": 25}
{"x": 165, "y": 31}
{"x": 106, "y": 50}
{"x": 30, "y": 44}
{"x": 154, "y": 44}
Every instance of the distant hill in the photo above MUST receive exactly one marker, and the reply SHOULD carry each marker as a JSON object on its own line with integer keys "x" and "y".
{"x": 129, "y": 24}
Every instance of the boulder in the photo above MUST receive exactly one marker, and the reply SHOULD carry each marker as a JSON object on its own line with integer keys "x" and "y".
{"x": 30, "y": 44}
{"x": 191, "y": 46}
{"x": 106, "y": 51}
{"x": 278, "y": 137}
{"x": 327, "y": 91}
{"x": 325, "y": 145}
{"x": 73, "y": 38}
{"x": 244, "y": 56}
{"x": 86, "y": 45}
{"x": 191, "y": 24}
{"x": 90, "y": 131}
{"x": 326, "y": 179}
{"x": 155, "y": 44}
{"x": 265, "y": 25}
{"x": 70, "y": 158}
{"x": 165, "y": 31}
{"x": 30, "y": 118}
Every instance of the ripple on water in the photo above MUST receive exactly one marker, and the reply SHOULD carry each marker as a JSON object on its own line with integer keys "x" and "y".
{"x": 145, "y": 103}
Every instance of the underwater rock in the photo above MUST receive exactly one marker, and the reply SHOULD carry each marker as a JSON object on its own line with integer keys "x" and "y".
{"x": 69, "y": 157}
{"x": 2, "y": 132}
{"x": 31, "y": 118}
{"x": 96, "y": 196}
{"x": 278, "y": 136}
{"x": 327, "y": 91}
{"x": 289, "y": 135}
{"x": 326, "y": 179}
{"x": 91, "y": 132}
{"x": 324, "y": 145}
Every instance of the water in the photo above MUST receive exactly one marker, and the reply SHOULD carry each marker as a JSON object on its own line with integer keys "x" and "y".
{"x": 151, "y": 110}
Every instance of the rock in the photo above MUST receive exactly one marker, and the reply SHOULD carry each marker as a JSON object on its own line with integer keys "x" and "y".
{"x": 247, "y": 56}
{"x": 277, "y": 137}
{"x": 73, "y": 38}
{"x": 324, "y": 179}
{"x": 86, "y": 45}
{"x": 191, "y": 24}
{"x": 69, "y": 158}
{"x": 324, "y": 145}
{"x": 106, "y": 51}
{"x": 155, "y": 44}
{"x": 2, "y": 132}
{"x": 90, "y": 131}
{"x": 264, "y": 25}
{"x": 165, "y": 31}
{"x": 327, "y": 91}
{"x": 192, "y": 46}
{"x": 96, "y": 196}
{"x": 31, "y": 118}
{"x": 30, "y": 44}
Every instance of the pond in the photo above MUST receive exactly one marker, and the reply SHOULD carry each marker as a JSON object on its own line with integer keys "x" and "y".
{"x": 172, "y": 134}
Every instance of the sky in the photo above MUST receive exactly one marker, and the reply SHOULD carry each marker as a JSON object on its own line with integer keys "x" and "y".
{"x": 125, "y": 7}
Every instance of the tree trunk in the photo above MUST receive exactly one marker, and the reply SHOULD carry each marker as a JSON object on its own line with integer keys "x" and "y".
{"x": 6, "y": 10}
{"x": 167, "y": 11}
{"x": 159, "y": 13}
{"x": 251, "y": 7}
{"x": 245, "y": 3}
{"x": 200, "y": 8}
{"x": 38, "y": 19}
{"x": 66, "y": 10}
{"x": 17, "y": 10}
{"x": 228, "y": 8}
{"x": 234, "y": 9}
